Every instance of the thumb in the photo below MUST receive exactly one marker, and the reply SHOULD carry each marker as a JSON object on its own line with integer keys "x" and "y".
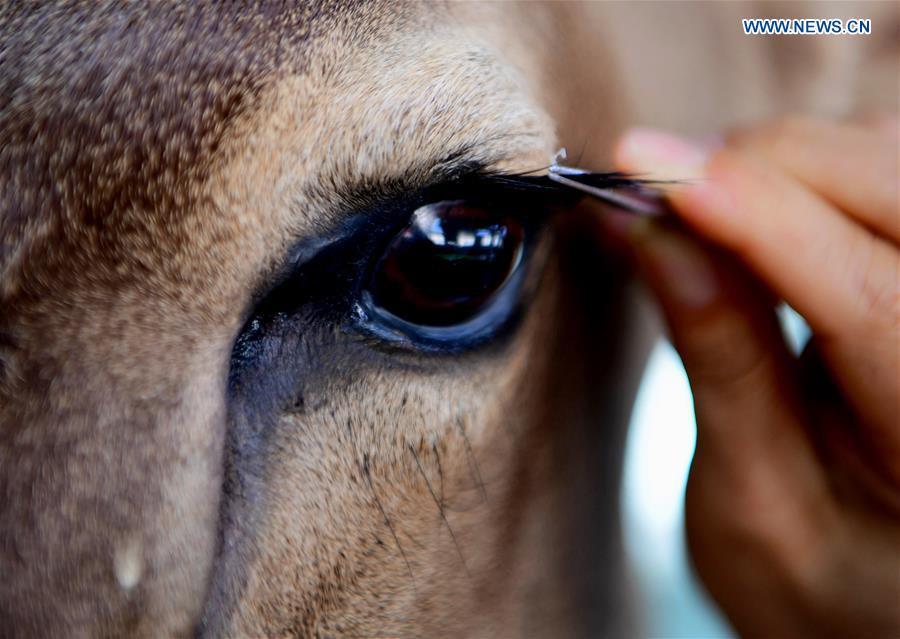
{"x": 755, "y": 482}
{"x": 723, "y": 325}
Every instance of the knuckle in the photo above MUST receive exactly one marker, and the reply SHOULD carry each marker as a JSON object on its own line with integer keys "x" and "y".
{"x": 757, "y": 522}
{"x": 792, "y": 127}
{"x": 720, "y": 352}
{"x": 877, "y": 288}
{"x": 881, "y": 300}
{"x": 774, "y": 136}
{"x": 883, "y": 122}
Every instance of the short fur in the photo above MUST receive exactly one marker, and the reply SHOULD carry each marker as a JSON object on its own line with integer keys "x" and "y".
{"x": 158, "y": 162}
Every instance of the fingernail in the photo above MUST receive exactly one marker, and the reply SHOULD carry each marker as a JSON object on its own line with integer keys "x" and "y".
{"x": 660, "y": 155}
{"x": 686, "y": 274}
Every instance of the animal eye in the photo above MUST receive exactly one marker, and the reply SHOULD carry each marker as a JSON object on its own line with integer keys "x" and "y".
{"x": 447, "y": 266}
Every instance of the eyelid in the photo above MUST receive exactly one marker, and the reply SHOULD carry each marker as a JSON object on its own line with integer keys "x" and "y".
{"x": 386, "y": 215}
{"x": 327, "y": 272}
{"x": 445, "y": 339}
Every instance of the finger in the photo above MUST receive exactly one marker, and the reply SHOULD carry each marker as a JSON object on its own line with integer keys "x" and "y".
{"x": 837, "y": 275}
{"x": 854, "y": 167}
{"x": 860, "y": 459}
{"x": 880, "y": 122}
{"x": 755, "y": 482}
{"x": 727, "y": 334}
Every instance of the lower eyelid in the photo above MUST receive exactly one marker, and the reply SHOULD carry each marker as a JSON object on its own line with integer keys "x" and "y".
{"x": 448, "y": 339}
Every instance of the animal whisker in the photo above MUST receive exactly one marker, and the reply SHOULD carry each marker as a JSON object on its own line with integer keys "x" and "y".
{"x": 474, "y": 469}
{"x": 387, "y": 520}
{"x": 437, "y": 457}
{"x": 440, "y": 505}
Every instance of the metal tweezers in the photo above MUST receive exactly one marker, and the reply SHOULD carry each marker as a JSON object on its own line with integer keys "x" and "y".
{"x": 644, "y": 201}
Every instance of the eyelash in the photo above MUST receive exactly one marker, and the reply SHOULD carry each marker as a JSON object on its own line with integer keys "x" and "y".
{"x": 329, "y": 283}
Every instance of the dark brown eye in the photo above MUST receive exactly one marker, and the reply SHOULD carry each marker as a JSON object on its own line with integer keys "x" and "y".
{"x": 447, "y": 265}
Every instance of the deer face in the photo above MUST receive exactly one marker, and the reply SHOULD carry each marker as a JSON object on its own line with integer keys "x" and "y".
{"x": 277, "y": 355}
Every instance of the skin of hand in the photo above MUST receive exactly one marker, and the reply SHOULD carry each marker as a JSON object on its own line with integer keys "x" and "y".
{"x": 793, "y": 500}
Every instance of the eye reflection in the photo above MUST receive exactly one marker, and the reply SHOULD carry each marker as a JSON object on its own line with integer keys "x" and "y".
{"x": 447, "y": 265}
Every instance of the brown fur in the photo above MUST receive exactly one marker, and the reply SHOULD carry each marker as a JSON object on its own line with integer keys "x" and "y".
{"x": 156, "y": 164}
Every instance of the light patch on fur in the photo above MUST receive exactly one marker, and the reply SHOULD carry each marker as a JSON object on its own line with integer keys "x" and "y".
{"x": 128, "y": 563}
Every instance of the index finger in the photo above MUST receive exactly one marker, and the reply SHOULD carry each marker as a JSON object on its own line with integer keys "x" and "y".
{"x": 854, "y": 167}
{"x": 836, "y": 273}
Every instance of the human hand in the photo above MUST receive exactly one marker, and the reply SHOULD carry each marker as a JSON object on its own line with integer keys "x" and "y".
{"x": 793, "y": 501}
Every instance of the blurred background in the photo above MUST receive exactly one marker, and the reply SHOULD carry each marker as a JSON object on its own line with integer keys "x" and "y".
{"x": 661, "y": 441}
